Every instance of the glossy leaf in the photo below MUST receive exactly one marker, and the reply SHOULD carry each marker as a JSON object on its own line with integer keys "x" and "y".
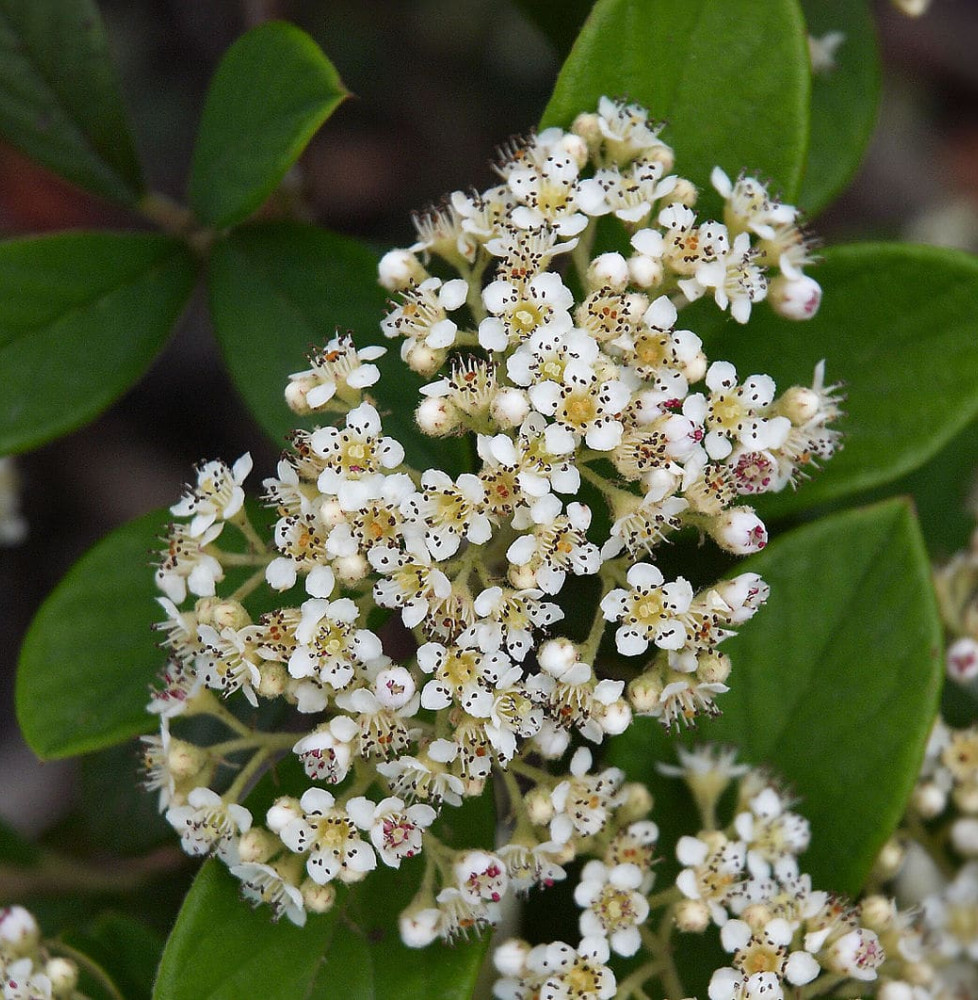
{"x": 731, "y": 77}
{"x": 90, "y": 653}
{"x": 81, "y": 317}
{"x": 898, "y": 325}
{"x": 59, "y": 96}
{"x": 835, "y": 684}
{"x": 271, "y": 92}
{"x": 845, "y": 99}
{"x": 221, "y": 949}
{"x": 278, "y": 290}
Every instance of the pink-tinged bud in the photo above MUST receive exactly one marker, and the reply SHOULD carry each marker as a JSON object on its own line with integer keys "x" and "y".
{"x": 962, "y": 660}
{"x": 796, "y": 298}
{"x": 739, "y": 531}
{"x": 399, "y": 269}
{"x": 437, "y": 416}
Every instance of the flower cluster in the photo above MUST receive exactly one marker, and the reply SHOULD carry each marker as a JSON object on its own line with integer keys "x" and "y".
{"x": 432, "y": 629}
{"x": 780, "y": 933}
{"x": 28, "y": 971}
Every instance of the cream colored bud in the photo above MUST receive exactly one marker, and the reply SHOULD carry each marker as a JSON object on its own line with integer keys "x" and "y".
{"x": 509, "y": 407}
{"x": 399, "y": 269}
{"x": 258, "y": 845}
{"x": 576, "y": 147}
{"x": 895, "y": 989}
{"x": 877, "y": 913}
{"x": 645, "y": 272}
{"x": 317, "y": 898}
{"x": 918, "y": 973}
{"x": 350, "y": 876}
{"x": 644, "y": 692}
{"x": 296, "y": 393}
{"x": 422, "y": 359}
{"x": 282, "y": 811}
{"x": 539, "y": 808}
{"x": 608, "y": 270}
{"x": 221, "y": 613}
{"x": 615, "y": 718}
{"x": 273, "y": 679}
{"x": 713, "y": 668}
{"x": 684, "y": 192}
{"x": 473, "y": 787}
{"x": 798, "y": 404}
{"x": 692, "y": 916}
{"x": 522, "y": 577}
{"x": 637, "y": 805}
{"x": 634, "y": 306}
{"x": 331, "y": 513}
{"x": 437, "y": 416}
{"x": 510, "y": 957}
{"x": 695, "y": 368}
{"x": 587, "y": 126}
{"x": 928, "y": 799}
{"x": 63, "y": 975}
{"x": 889, "y": 860}
{"x": 185, "y": 760}
{"x": 350, "y": 570}
{"x": 662, "y": 154}
{"x": 19, "y": 931}
{"x": 966, "y": 798}
{"x": 964, "y": 836}
{"x": 756, "y": 916}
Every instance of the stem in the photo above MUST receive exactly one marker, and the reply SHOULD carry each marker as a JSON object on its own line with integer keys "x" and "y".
{"x": 632, "y": 985}
{"x": 240, "y": 783}
{"x": 659, "y": 943}
{"x": 243, "y": 523}
{"x": 255, "y": 580}
{"x": 212, "y": 706}
{"x": 537, "y": 775}
{"x": 581, "y": 254}
{"x": 239, "y": 558}
{"x": 84, "y": 962}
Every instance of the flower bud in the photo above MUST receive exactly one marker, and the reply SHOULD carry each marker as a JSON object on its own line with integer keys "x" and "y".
{"x": 796, "y": 298}
{"x": 615, "y": 718}
{"x": 877, "y": 913}
{"x": 437, "y": 416}
{"x": 962, "y": 660}
{"x": 713, "y": 668}
{"x": 19, "y": 932}
{"x": 509, "y": 407}
{"x": 296, "y": 393}
{"x": 739, "y": 531}
{"x": 185, "y": 760}
{"x": 258, "y": 845}
{"x": 422, "y": 359}
{"x": 350, "y": 570}
{"x": 221, "y": 613}
{"x": 799, "y": 404}
{"x": 966, "y": 798}
{"x": 576, "y": 147}
{"x": 317, "y": 898}
{"x": 692, "y": 916}
{"x": 419, "y": 926}
{"x": 644, "y": 692}
{"x": 756, "y": 916}
{"x": 608, "y": 270}
{"x": 928, "y": 799}
{"x": 394, "y": 687}
{"x": 644, "y": 271}
{"x": 63, "y": 974}
{"x": 510, "y": 957}
{"x": 399, "y": 269}
{"x": 637, "y": 805}
{"x": 273, "y": 679}
{"x": 539, "y": 808}
{"x": 684, "y": 192}
{"x": 282, "y": 811}
{"x": 889, "y": 860}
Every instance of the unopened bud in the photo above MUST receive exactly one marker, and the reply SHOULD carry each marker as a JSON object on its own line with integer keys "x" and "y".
{"x": 684, "y": 192}
{"x": 877, "y": 913}
{"x": 509, "y": 407}
{"x": 739, "y": 531}
{"x": 282, "y": 811}
{"x": 608, "y": 270}
{"x": 399, "y": 269}
{"x": 713, "y": 668}
{"x": 437, "y": 416}
{"x": 637, "y": 805}
{"x": 644, "y": 693}
{"x": 962, "y": 660}
{"x": 928, "y": 799}
{"x": 644, "y": 271}
{"x": 350, "y": 570}
{"x": 799, "y": 404}
{"x": 258, "y": 845}
{"x": 889, "y": 860}
{"x": 795, "y": 298}
{"x": 539, "y": 808}
{"x": 317, "y": 898}
{"x": 185, "y": 760}
{"x": 63, "y": 975}
{"x": 692, "y": 916}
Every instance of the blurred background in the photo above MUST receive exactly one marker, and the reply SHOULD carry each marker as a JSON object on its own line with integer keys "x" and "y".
{"x": 438, "y": 84}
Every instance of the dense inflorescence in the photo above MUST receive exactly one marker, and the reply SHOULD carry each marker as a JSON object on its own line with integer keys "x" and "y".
{"x": 599, "y": 429}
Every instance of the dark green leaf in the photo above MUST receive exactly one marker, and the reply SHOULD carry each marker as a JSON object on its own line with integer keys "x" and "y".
{"x": 899, "y": 326}
{"x": 81, "y": 317}
{"x": 90, "y": 654}
{"x": 844, "y": 99}
{"x": 560, "y": 22}
{"x": 730, "y": 76}
{"x": 276, "y": 290}
{"x": 272, "y": 91}
{"x": 835, "y": 684}
{"x": 221, "y": 949}
{"x": 59, "y": 97}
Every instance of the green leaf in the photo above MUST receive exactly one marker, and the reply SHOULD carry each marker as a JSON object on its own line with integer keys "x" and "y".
{"x": 898, "y": 325}
{"x": 731, "y": 77}
{"x": 835, "y": 683}
{"x": 81, "y": 317}
{"x": 271, "y": 92}
{"x": 59, "y": 97}
{"x": 559, "y": 22}
{"x": 278, "y": 289}
{"x": 221, "y": 949}
{"x": 844, "y": 99}
{"x": 90, "y": 653}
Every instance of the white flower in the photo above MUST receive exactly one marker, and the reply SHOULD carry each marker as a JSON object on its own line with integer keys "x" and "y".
{"x": 218, "y": 494}
{"x": 261, "y": 883}
{"x": 329, "y": 836}
{"x": 226, "y": 662}
{"x": 338, "y": 368}
{"x": 326, "y": 752}
{"x": 582, "y": 803}
{"x": 208, "y": 823}
{"x": 519, "y": 310}
{"x": 423, "y": 313}
{"x": 614, "y": 906}
{"x": 651, "y": 611}
{"x": 395, "y": 830}
{"x": 186, "y": 566}
{"x": 481, "y": 876}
